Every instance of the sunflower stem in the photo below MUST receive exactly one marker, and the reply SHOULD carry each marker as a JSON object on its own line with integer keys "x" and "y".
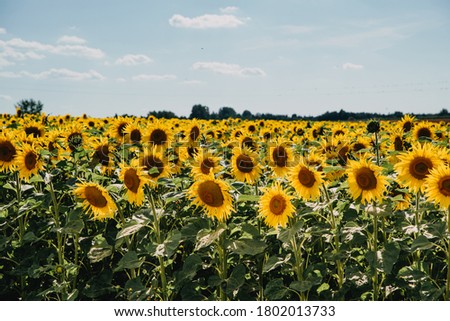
{"x": 298, "y": 269}
{"x": 375, "y": 251}
{"x": 162, "y": 267}
{"x": 377, "y": 149}
{"x": 447, "y": 284}
{"x": 417, "y": 221}
{"x": 223, "y": 268}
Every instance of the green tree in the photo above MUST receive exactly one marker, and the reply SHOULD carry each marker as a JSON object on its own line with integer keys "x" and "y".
{"x": 200, "y": 112}
{"x": 226, "y": 112}
{"x": 30, "y": 106}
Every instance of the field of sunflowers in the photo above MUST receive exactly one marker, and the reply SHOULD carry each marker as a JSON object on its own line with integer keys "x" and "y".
{"x": 131, "y": 208}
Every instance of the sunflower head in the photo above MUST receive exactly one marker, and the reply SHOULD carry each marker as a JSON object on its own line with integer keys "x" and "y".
{"x": 275, "y": 206}
{"x": 28, "y": 161}
{"x": 157, "y": 135}
{"x": 245, "y": 165}
{"x": 205, "y": 164}
{"x": 437, "y": 186}
{"x": 154, "y": 165}
{"x": 423, "y": 131}
{"x": 213, "y": 196}
{"x": 134, "y": 181}
{"x": 8, "y": 152}
{"x": 281, "y": 158}
{"x": 407, "y": 123}
{"x": 306, "y": 180}
{"x": 96, "y": 200}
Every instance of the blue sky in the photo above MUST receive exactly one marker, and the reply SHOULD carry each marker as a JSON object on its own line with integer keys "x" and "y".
{"x": 102, "y": 57}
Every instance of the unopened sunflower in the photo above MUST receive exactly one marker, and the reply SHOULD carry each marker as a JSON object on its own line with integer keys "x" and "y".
{"x": 96, "y": 200}
{"x": 275, "y": 206}
{"x": 213, "y": 196}
{"x": 365, "y": 181}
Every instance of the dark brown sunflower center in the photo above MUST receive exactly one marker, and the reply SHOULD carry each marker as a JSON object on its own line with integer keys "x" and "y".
{"x": 121, "y": 129}
{"x": 74, "y": 140}
{"x": 249, "y": 143}
{"x": 206, "y": 165}
{"x": 339, "y": 132}
{"x": 424, "y": 132}
{"x": 280, "y": 156}
{"x": 102, "y": 154}
{"x": 33, "y": 130}
{"x": 267, "y": 135}
{"x": 420, "y": 167}
{"x": 7, "y": 151}
{"x": 251, "y": 128}
{"x": 244, "y": 163}
{"x": 194, "y": 133}
{"x": 210, "y": 193}
{"x": 192, "y": 151}
{"x": 342, "y": 154}
{"x": 135, "y": 136}
{"x": 365, "y": 177}
{"x": 158, "y": 137}
{"x": 30, "y": 160}
{"x": 358, "y": 146}
{"x": 444, "y": 185}
{"x": 407, "y": 126}
{"x": 150, "y": 162}
{"x": 95, "y": 197}
{"x": 131, "y": 180}
{"x": 398, "y": 144}
{"x": 277, "y": 205}
{"x": 306, "y": 177}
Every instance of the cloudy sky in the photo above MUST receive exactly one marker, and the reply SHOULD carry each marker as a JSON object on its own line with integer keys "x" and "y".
{"x": 102, "y": 57}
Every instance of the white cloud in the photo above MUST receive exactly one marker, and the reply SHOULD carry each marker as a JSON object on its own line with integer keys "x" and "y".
{"x": 206, "y": 21}
{"x": 154, "y": 77}
{"x": 6, "y": 97}
{"x": 2, "y": 31}
{"x": 61, "y": 73}
{"x": 229, "y": 9}
{"x": 229, "y": 69}
{"x": 65, "y": 49}
{"x": 74, "y": 40}
{"x": 133, "y": 60}
{"x": 351, "y": 66}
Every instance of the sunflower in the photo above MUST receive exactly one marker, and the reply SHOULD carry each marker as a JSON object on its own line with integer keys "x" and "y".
{"x": 154, "y": 164}
{"x": 8, "y": 152}
{"x": 133, "y": 134}
{"x": 118, "y": 128}
{"x": 407, "y": 123}
{"x": 423, "y": 130}
{"x": 28, "y": 161}
{"x": 282, "y": 158}
{"x": 245, "y": 165}
{"x": 414, "y": 166}
{"x": 34, "y": 129}
{"x": 275, "y": 206}
{"x": 96, "y": 200}
{"x": 437, "y": 186}
{"x": 205, "y": 163}
{"x": 193, "y": 132}
{"x": 306, "y": 180}
{"x": 74, "y": 137}
{"x": 102, "y": 153}
{"x": 246, "y": 141}
{"x": 213, "y": 196}
{"x": 134, "y": 181}
{"x": 157, "y": 135}
{"x": 366, "y": 181}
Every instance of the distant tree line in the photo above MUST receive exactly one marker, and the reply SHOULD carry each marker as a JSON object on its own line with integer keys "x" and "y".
{"x": 199, "y": 111}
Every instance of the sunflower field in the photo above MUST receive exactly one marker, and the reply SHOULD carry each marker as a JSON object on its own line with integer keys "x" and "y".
{"x": 131, "y": 208}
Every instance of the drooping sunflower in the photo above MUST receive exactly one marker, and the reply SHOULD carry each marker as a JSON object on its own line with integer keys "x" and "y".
{"x": 213, "y": 196}
{"x": 437, "y": 186}
{"x": 154, "y": 165}
{"x": 134, "y": 181}
{"x": 365, "y": 181}
{"x": 96, "y": 200}
{"x": 8, "y": 152}
{"x": 245, "y": 165}
{"x": 204, "y": 164}
{"x": 275, "y": 206}
{"x": 281, "y": 158}
{"x": 306, "y": 180}
{"x": 414, "y": 166}
{"x": 28, "y": 161}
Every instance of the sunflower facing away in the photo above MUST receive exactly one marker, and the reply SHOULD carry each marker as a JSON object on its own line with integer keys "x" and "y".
{"x": 245, "y": 165}
{"x": 437, "y": 186}
{"x": 275, "y": 206}
{"x": 8, "y": 152}
{"x": 96, "y": 200}
{"x": 306, "y": 181}
{"x": 414, "y": 166}
{"x": 366, "y": 181}
{"x": 28, "y": 162}
{"x": 213, "y": 196}
{"x": 134, "y": 181}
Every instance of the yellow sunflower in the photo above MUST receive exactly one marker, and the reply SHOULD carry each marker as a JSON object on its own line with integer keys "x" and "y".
{"x": 154, "y": 165}
{"x": 407, "y": 123}
{"x": 281, "y": 158}
{"x": 133, "y": 134}
{"x": 96, "y": 200}
{"x": 117, "y": 128}
{"x": 134, "y": 181}
{"x": 204, "y": 164}
{"x": 8, "y": 152}
{"x": 103, "y": 153}
{"x": 414, "y": 166}
{"x": 74, "y": 138}
{"x": 28, "y": 161}
{"x": 193, "y": 132}
{"x": 213, "y": 196}
{"x": 365, "y": 181}
{"x": 34, "y": 129}
{"x": 245, "y": 165}
{"x": 306, "y": 180}
{"x": 157, "y": 135}
{"x": 275, "y": 206}
{"x": 437, "y": 186}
